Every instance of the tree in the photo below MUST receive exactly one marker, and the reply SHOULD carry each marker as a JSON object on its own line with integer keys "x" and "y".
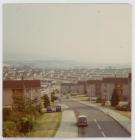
{"x": 115, "y": 98}
{"x": 46, "y": 100}
{"x": 53, "y": 97}
{"x": 25, "y": 125}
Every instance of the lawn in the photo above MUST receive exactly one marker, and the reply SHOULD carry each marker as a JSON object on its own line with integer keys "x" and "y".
{"x": 125, "y": 113}
{"x": 46, "y": 125}
{"x": 81, "y": 97}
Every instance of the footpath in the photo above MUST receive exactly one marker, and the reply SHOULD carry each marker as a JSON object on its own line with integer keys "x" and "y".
{"x": 68, "y": 125}
{"x": 122, "y": 120}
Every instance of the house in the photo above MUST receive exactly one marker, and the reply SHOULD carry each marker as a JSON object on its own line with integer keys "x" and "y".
{"x": 17, "y": 92}
{"x": 65, "y": 88}
{"x": 102, "y": 89}
{"x": 109, "y": 83}
{"x": 74, "y": 88}
{"x": 81, "y": 87}
{"x": 93, "y": 88}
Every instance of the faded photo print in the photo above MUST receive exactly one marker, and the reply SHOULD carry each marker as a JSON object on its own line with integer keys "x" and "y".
{"x": 67, "y": 70}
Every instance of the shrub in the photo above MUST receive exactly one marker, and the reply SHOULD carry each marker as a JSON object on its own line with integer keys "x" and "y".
{"x": 10, "y": 129}
{"x": 6, "y": 114}
{"x": 114, "y": 99}
{"x": 53, "y": 97}
{"x": 19, "y": 123}
{"x": 73, "y": 94}
{"x": 9, "y": 125}
{"x": 98, "y": 100}
{"x": 46, "y": 100}
{"x": 25, "y": 125}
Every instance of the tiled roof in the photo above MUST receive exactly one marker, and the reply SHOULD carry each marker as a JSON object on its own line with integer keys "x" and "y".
{"x": 20, "y": 84}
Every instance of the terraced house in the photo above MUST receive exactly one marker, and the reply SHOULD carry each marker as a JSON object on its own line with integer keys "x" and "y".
{"x": 17, "y": 92}
{"x": 102, "y": 89}
{"x": 108, "y": 85}
{"x": 93, "y": 88}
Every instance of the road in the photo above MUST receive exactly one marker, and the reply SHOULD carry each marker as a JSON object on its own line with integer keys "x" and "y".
{"x": 99, "y": 123}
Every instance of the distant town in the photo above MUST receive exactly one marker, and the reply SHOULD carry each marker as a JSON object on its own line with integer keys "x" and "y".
{"x": 67, "y": 70}
{"x": 66, "y": 79}
{"x": 25, "y": 85}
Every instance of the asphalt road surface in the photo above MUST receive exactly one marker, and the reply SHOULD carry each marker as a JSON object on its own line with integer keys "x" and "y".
{"x": 99, "y": 123}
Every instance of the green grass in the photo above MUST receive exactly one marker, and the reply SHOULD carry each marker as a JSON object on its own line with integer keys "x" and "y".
{"x": 125, "y": 113}
{"x": 81, "y": 97}
{"x": 46, "y": 125}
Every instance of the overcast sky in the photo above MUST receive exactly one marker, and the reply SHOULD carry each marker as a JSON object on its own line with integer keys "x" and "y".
{"x": 99, "y": 33}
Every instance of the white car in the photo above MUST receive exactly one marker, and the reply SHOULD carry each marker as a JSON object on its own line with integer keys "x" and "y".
{"x": 82, "y": 121}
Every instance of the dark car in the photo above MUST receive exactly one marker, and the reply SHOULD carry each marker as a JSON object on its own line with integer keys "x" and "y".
{"x": 82, "y": 121}
{"x": 49, "y": 109}
{"x": 58, "y": 108}
{"x": 123, "y": 108}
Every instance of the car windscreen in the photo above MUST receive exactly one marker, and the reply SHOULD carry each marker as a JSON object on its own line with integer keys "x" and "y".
{"x": 82, "y": 120}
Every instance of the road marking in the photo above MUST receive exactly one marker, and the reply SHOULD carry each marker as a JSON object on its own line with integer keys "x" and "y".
{"x": 99, "y": 127}
{"x": 95, "y": 121}
{"x": 103, "y": 134}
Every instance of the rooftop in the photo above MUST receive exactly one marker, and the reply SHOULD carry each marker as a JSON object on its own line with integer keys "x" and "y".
{"x": 115, "y": 80}
{"x": 20, "y": 84}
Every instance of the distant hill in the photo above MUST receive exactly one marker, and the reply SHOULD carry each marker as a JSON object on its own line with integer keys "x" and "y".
{"x": 61, "y": 64}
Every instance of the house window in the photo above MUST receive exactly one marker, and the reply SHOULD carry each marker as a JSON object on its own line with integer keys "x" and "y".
{"x": 18, "y": 99}
{"x": 105, "y": 85}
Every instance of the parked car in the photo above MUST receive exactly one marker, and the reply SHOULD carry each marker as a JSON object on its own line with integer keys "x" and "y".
{"x": 49, "y": 109}
{"x": 58, "y": 108}
{"x": 82, "y": 121}
{"x": 123, "y": 108}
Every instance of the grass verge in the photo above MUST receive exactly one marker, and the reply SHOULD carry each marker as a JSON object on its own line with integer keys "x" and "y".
{"x": 81, "y": 97}
{"x": 46, "y": 125}
{"x": 124, "y": 113}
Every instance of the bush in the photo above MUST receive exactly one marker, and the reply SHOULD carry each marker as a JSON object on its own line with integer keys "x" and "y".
{"x": 53, "y": 97}
{"x": 6, "y": 114}
{"x": 25, "y": 125}
{"x": 98, "y": 100}
{"x": 46, "y": 100}
{"x": 73, "y": 94}
{"x": 114, "y": 99}
{"x": 18, "y": 123}
{"x": 10, "y": 129}
{"x": 9, "y": 125}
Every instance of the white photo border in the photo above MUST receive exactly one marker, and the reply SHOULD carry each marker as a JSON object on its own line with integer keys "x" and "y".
{"x": 131, "y": 2}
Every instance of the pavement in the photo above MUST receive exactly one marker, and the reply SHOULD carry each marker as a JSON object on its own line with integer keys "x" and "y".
{"x": 68, "y": 125}
{"x": 122, "y": 120}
